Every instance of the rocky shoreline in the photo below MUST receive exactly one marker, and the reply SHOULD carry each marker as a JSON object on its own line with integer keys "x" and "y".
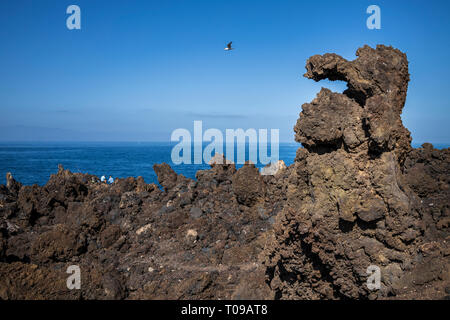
{"x": 357, "y": 195}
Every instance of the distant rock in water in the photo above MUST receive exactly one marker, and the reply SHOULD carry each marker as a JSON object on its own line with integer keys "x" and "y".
{"x": 357, "y": 197}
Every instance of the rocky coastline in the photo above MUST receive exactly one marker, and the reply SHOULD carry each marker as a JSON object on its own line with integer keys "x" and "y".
{"x": 357, "y": 195}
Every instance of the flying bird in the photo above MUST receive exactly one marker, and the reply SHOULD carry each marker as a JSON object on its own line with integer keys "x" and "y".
{"x": 229, "y": 46}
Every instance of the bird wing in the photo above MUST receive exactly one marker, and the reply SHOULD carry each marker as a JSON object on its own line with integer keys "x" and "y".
{"x": 229, "y": 44}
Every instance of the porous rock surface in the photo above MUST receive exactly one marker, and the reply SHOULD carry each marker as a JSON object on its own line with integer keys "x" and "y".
{"x": 356, "y": 196}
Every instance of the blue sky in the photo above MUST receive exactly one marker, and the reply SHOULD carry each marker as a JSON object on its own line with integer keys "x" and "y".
{"x": 137, "y": 70}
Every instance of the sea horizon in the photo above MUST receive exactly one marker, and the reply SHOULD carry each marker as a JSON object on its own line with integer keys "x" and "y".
{"x": 32, "y": 162}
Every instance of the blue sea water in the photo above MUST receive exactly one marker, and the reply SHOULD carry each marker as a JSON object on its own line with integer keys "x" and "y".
{"x": 33, "y": 163}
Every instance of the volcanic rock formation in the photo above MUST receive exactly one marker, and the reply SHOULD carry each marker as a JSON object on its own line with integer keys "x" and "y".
{"x": 357, "y": 196}
{"x": 352, "y": 206}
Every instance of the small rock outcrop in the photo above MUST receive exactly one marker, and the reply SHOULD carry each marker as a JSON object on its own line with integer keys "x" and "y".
{"x": 248, "y": 185}
{"x": 273, "y": 168}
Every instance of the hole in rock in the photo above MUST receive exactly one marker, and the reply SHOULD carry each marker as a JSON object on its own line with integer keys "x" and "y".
{"x": 338, "y": 86}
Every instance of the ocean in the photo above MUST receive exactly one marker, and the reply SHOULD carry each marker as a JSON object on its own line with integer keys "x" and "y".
{"x": 33, "y": 163}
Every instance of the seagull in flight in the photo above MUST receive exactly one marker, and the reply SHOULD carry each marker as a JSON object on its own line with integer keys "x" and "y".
{"x": 229, "y": 46}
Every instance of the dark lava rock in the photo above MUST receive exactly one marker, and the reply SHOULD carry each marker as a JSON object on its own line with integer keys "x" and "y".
{"x": 248, "y": 185}
{"x": 11, "y": 184}
{"x": 196, "y": 212}
{"x": 166, "y": 176}
{"x": 372, "y": 210}
{"x": 356, "y": 152}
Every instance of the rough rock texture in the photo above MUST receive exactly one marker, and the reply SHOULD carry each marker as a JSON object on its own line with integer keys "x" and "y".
{"x": 357, "y": 195}
{"x": 377, "y": 81}
{"x": 274, "y": 168}
{"x": 352, "y": 205}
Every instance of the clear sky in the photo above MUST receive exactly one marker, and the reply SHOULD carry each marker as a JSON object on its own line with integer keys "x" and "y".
{"x": 137, "y": 70}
